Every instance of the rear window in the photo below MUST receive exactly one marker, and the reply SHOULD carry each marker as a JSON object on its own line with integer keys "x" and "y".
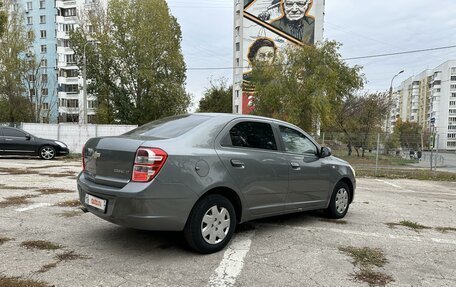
{"x": 170, "y": 127}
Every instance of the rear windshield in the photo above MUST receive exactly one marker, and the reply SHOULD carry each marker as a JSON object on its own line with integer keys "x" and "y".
{"x": 170, "y": 127}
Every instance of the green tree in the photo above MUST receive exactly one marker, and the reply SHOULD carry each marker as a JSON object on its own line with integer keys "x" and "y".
{"x": 14, "y": 44}
{"x": 3, "y": 19}
{"x": 304, "y": 85}
{"x": 361, "y": 117}
{"x": 408, "y": 133}
{"x": 217, "y": 98}
{"x": 136, "y": 67}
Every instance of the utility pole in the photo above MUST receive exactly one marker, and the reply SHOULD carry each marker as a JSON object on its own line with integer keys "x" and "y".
{"x": 388, "y": 120}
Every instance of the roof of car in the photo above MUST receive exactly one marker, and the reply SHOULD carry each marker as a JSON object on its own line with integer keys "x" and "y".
{"x": 236, "y": 116}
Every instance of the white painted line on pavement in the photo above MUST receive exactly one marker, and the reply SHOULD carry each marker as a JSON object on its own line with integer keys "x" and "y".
{"x": 33, "y": 206}
{"x": 370, "y": 234}
{"x": 389, "y": 183}
{"x": 233, "y": 261}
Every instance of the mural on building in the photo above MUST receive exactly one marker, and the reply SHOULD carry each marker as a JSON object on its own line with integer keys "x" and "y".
{"x": 268, "y": 25}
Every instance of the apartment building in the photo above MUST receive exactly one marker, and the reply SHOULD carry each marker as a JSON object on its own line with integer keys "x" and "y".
{"x": 429, "y": 99}
{"x": 60, "y": 81}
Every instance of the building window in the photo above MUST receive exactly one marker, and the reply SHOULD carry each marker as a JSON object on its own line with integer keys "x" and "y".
{"x": 237, "y": 62}
{"x": 453, "y": 87}
{"x": 438, "y": 90}
{"x": 69, "y": 59}
{"x": 44, "y": 91}
{"x": 91, "y": 119}
{"x": 44, "y": 78}
{"x": 69, "y": 12}
{"x": 453, "y": 71}
{"x": 236, "y": 109}
{"x": 29, "y": 20}
{"x": 92, "y": 104}
{"x": 43, "y": 49}
{"x": 237, "y": 30}
{"x": 452, "y": 119}
{"x": 45, "y": 106}
{"x": 42, "y": 4}
{"x": 42, "y": 19}
{"x": 43, "y": 34}
{"x": 452, "y": 111}
{"x": 72, "y": 103}
{"x": 238, "y": 47}
{"x": 451, "y": 144}
{"x": 31, "y": 78}
{"x": 29, "y": 6}
{"x": 237, "y": 94}
{"x": 44, "y": 63}
{"x": 453, "y": 78}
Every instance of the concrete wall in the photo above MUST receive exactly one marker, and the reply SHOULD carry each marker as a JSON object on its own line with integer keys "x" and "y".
{"x": 74, "y": 135}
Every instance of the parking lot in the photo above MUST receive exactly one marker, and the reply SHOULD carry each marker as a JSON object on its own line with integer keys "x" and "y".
{"x": 79, "y": 249}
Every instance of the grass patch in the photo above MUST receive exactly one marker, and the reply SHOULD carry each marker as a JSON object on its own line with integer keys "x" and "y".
{"x": 18, "y": 282}
{"x": 60, "y": 174}
{"x": 16, "y": 200}
{"x": 409, "y": 224}
{"x": 397, "y": 173}
{"x": 370, "y": 158}
{"x": 4, "y": 239}
{"x": 335, "y": 221}
{"x": 365, "y": 257}
{"x": 69, "y": 255}
{"x": 373, "y": 278}
{"x": 66, "y": 256}
{"x": 17, "y": 171}
{"x": 40, "y": 244}
{"x": 54, "y": 190}
{"x": 48, "y": 267}
{"x": 69, "y": 214}
{"x": 69, "y": 203}
{"x": 445, "y": 229}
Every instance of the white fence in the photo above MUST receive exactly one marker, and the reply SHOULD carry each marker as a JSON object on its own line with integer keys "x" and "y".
{"x": 74, "y": 135}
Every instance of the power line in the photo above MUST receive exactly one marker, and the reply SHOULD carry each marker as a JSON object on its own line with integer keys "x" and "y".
{"x": 400, "y": 53}
{"x": 345, "y": 59}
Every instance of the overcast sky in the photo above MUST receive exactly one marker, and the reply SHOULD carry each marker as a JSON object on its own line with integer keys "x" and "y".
{"x": 363, "y": 27}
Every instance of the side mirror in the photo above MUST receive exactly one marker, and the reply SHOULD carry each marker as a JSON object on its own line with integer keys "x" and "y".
{"x": 325, "y": 152}
{"x": 28, "y": 137}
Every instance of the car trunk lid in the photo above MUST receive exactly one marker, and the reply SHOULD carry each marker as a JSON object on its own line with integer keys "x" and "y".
{"x": 109, "y": 160}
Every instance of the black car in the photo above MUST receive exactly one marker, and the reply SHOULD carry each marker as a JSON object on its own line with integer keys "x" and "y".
{"x": 14, "y": 141}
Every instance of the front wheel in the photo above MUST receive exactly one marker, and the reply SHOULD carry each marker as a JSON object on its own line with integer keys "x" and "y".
{"x": 47, "y": 152}
{"x": 211, "y": 224}
{"x": 340, "y": 201}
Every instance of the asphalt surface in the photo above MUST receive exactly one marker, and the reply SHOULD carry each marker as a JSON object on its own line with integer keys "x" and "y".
{"x": 293, "y": 250}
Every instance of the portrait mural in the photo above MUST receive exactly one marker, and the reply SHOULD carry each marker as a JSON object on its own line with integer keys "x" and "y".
{"x": 268, "y": 26}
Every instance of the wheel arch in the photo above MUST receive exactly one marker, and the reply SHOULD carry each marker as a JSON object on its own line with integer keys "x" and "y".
{"x": 348, "y": 182}
{"x": 230, "y": 194}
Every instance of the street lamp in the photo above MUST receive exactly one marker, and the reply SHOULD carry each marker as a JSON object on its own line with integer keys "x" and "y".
{"x": 84, "y": 82}
{"x": 388, "y": 121}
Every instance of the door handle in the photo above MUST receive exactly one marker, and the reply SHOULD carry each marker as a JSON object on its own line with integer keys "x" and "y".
{"x": 9, "y": 140}
{"x": 295, "y": 165}
{"x": 237, "y": 163}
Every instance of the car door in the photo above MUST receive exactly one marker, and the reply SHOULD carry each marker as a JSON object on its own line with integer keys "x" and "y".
{"x": 248, "y": 149}
{"x": 308, "y": 187}
{"x": 16, "y": 142}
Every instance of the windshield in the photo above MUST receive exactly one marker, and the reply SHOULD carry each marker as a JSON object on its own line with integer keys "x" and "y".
{"x": 170, "y": 127}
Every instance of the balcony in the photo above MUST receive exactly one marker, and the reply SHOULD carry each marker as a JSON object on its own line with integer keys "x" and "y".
{"x": 68, "y": 95}
{"x": 65, "y": 3}
{"x": 68, "y": 81}
{"x": 65, "y": 50}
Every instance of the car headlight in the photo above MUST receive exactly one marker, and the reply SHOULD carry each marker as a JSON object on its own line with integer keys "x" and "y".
{"x": 353, "y": 170}
{"x": 61, "y": 144}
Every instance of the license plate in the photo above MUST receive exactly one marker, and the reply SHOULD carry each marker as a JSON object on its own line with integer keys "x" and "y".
{"x": 96, "y": 202}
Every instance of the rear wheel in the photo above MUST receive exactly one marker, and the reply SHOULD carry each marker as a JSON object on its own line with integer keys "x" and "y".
{"x": 47, "y": 152}
{"x": 211, "y": 224}
{"x": 340, "y": 201}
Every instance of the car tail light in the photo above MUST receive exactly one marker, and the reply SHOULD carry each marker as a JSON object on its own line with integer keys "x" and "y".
{"x": 83, "y": 158}
{"x": 148, "y": 162}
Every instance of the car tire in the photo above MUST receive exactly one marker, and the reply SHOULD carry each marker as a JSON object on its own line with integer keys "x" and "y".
{"x": 340, "y": 201}
{"x": 211, "y": 224}
{"x": 47, "y": 152}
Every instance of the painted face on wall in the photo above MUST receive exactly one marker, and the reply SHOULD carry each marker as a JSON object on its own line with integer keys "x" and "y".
{"x": 265, "y": 54}
{"x": 295, "y": 9}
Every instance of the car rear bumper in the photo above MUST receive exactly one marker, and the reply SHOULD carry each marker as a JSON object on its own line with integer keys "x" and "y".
{"x": 145, "y": 210}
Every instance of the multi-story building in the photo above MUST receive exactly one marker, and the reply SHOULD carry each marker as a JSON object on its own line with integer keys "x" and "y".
{"x": 430, "y": 100}
{"x": 60, "y": 80}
